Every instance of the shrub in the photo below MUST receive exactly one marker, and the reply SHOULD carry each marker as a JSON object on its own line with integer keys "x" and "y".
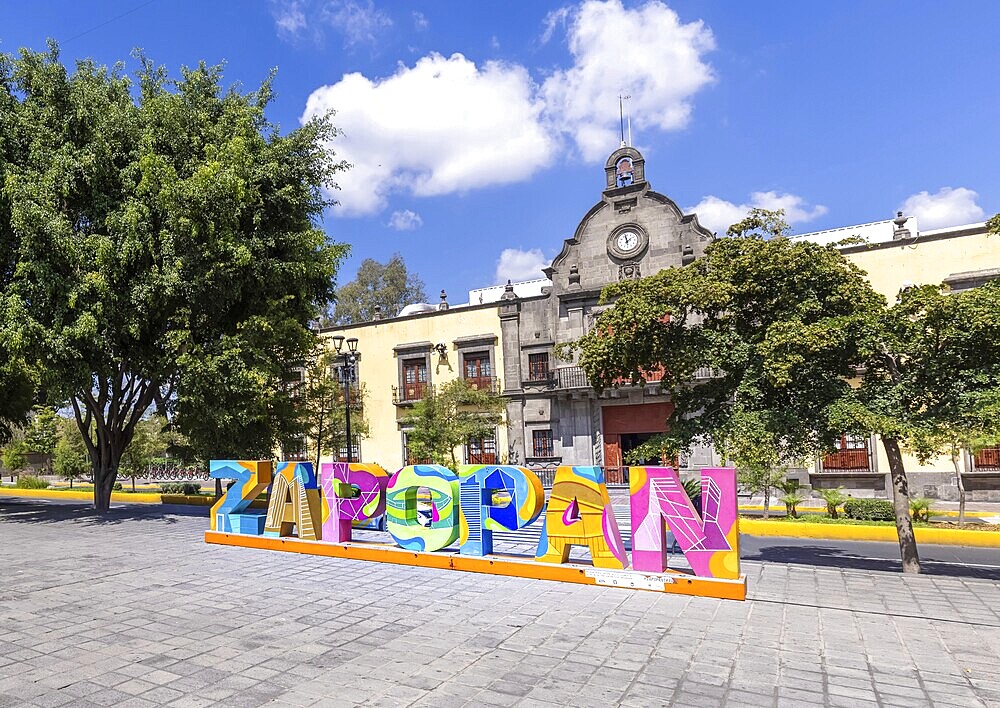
{"x": 920, "y": 508}
{"x": 117, "y": 487}
{"x": 30, "y": 481}
{"x": 869, "y": 509}
{"x": 185, "y": 488}
{"x": 833, "y": 498}
{"x": 791, "y": 500}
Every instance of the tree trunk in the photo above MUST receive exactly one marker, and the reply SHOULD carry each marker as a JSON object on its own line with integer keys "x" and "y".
{"x": 961, "y": 488}
{"x": 767, "y": 500}
{"x": 104, "y": 482}
{"x": 901, "y": 503}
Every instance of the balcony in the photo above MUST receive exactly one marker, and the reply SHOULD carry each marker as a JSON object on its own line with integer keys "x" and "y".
{"x": 490, "y": 384}
{"x": 857, "y": 460}
{"x": 568, "y": 377}
{"x": 411, "y": 393}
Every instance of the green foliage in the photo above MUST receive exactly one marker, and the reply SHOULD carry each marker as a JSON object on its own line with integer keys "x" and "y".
{"x": 42, "y": 431}
{"x": 834, "y": 499}
{"x": 920, "y": 508}
{"x": 993, "y": 225}
{"x": 777, "y": 320}
{"x": 386, "y": 285}
{"x": 933, "y": 369}
{"x": 692, "y": 487}
{"x": 147, "y": 444}
{"x": 184, "y": 488}
{"x": 448, "y": 417}
{"x": 869, "y": 509}
{"x": 323, "y": 407}
{"x": 167, "y": 250}
{"x": 792, "y": 497}
{"x": 69, "y": 460}
{"x": 15, "y": 455}
{"x": 30, "y": 481}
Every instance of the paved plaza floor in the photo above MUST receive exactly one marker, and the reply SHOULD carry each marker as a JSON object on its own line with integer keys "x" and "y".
{"x": 136, "y": 610}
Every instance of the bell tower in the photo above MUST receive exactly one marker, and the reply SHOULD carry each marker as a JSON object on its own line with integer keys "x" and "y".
{"x": 625, "y": 171}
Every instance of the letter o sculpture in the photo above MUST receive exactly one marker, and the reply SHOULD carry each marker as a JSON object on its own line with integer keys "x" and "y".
{"x": 402, "y": 521}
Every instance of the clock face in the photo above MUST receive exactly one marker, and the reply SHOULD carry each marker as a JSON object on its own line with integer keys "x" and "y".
{"x": 627, "y": 240}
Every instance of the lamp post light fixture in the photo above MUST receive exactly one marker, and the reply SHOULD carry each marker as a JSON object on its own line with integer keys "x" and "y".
{"x": 350, "y": 358}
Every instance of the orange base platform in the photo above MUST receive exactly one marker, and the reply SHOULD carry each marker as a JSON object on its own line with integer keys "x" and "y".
{"x": 669, "y": 581}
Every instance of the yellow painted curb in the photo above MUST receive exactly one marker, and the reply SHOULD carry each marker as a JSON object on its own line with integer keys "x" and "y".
{"x": 822, "y": 510}
{"x": 938, "y": 537}
{"x": 138, "y": 497}
{"x": 186, "y": 499}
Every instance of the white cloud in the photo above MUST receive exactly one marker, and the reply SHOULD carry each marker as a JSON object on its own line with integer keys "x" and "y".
{"x": 420, "y": 21}
{"x": 405, "y": 220}
{"x": 289, "y": 17}
{"x": 448, "y": 125}
{"x": 443, "y": 126}
{"x": 718, "y": 214}
{"x": 554, "y": 19}
{"x": 946, "y": 207}
{"x": 647, "y": 52}
{"x": 517, "y": 265}
{"x": 358, "y": 22}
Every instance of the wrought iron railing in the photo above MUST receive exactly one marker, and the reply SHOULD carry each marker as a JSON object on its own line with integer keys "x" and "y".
{"x": 411, "y": 392}
{"x": 484, "y": 383}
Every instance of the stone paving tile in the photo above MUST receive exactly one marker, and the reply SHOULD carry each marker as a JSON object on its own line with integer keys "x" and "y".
{"x": 137, "y": 610}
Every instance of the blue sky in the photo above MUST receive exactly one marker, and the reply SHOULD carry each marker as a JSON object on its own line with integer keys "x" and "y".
{"x": 479, "y": 129}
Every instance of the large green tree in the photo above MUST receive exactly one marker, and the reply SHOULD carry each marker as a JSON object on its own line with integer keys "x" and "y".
{"x": 388, "y": 286}
{"x": 931, "y": 382}
{"x": 167, "y": 250}
{"x": 775, "y": 322}
{"x": 448, "y": 417}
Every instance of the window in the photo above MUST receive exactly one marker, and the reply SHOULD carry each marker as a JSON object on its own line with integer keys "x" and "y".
{"x": 479, "y": 370}
{"x": 988, "y": 458}
{"x": 293, "y": 382}
{"x": 852, "y": 455}
{"x": 355, "y": 451}
{"x": 295, "y": 450}
{"x": 409, "y": 458}
{"x": 482, "y": 451}
{"x": 541, "y": 443}
{"x": 538, "y": 367}
{"x": 414, "y": 379}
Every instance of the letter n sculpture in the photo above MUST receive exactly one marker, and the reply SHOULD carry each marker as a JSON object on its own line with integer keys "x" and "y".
{"x": 709, "y": 541}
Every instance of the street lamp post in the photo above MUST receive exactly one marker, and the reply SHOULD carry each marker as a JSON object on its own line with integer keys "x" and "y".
{"x": 350, "y": 357}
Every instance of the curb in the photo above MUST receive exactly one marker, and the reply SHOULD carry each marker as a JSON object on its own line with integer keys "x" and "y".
{"x": 136, "y": 498}
{"x": 822, "y": 510}
{"x": 933, "y": 537}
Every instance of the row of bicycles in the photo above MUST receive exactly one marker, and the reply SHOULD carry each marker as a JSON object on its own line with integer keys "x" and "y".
{"x": 175, "y": 473}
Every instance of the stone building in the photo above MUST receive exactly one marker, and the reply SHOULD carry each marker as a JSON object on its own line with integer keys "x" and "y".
{"x": 507, "y": 338}
{"x": 554, "y": 417}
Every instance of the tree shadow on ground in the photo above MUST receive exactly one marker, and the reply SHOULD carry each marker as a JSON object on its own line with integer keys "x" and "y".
{"x": 825, "y": 556}
{"x": 31, "y": 511}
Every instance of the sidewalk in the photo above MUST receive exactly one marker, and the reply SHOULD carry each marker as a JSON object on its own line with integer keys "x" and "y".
{"x": 135, "y": 609}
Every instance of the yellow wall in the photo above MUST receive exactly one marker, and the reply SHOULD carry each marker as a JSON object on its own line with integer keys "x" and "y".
{"x": 926, "y": 262}
{"x": 378, "y": 370}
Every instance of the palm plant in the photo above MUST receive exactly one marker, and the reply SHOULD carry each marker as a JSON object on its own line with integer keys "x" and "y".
{"x": 834, "y": 498}
{"x": 792, "y": 497}
{"x": 920, "y": 508}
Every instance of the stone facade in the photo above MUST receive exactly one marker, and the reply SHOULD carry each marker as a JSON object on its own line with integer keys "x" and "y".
{"x": 554, "y": 417}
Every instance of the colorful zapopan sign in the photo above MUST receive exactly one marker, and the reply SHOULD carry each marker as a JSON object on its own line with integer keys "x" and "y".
{"x": 317, "y": 516}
